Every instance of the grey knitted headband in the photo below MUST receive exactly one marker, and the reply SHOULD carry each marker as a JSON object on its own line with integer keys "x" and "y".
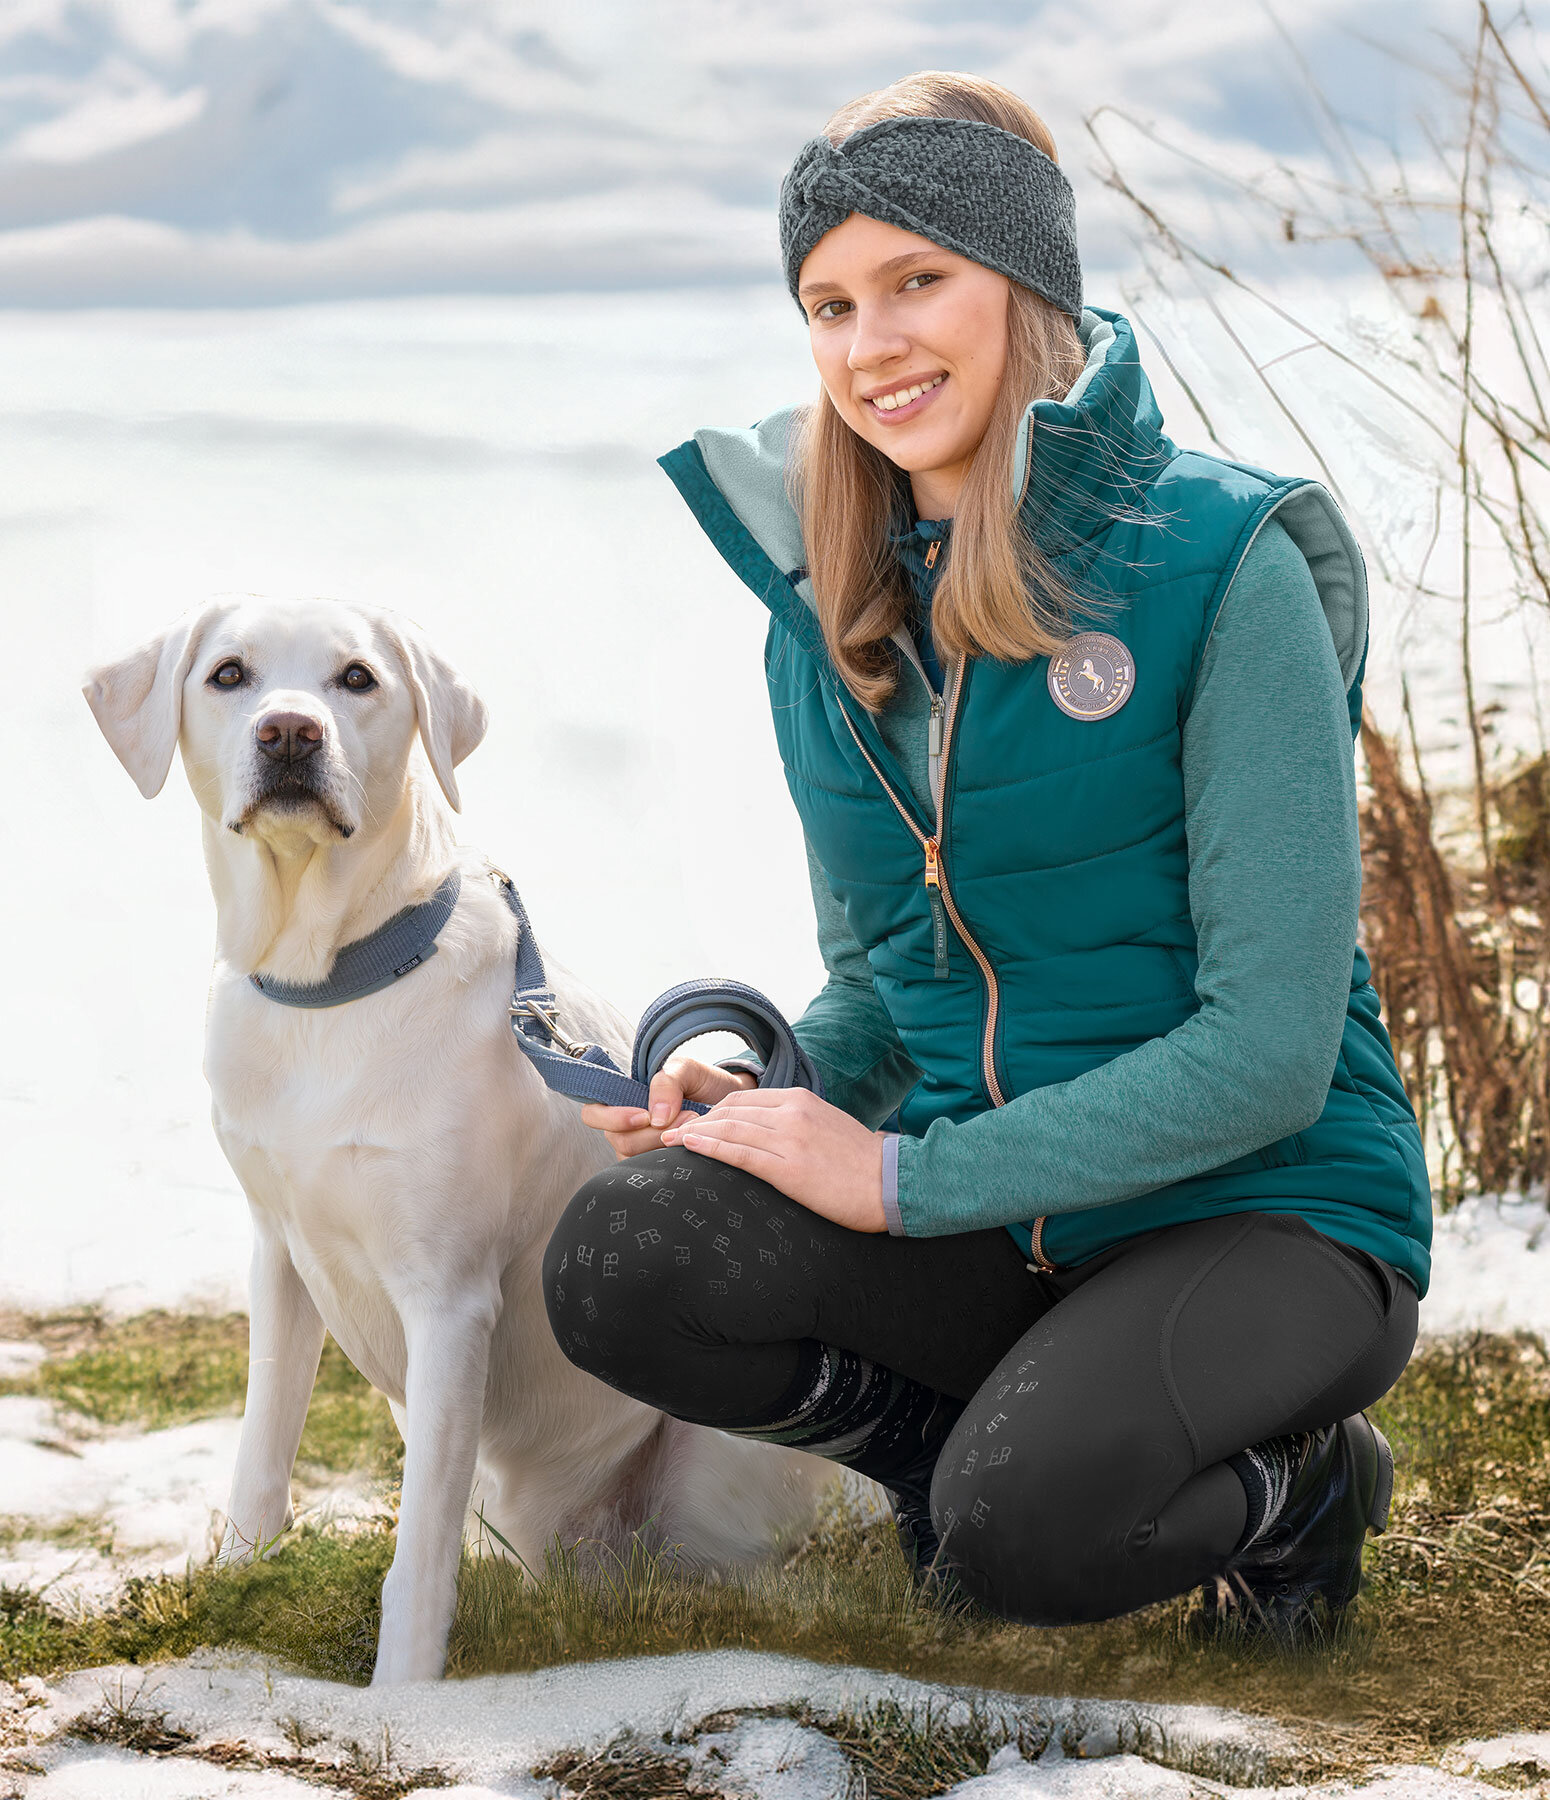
{"x": 968, "y": 186}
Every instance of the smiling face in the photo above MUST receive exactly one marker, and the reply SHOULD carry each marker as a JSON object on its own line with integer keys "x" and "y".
{"x": 910, "y": 342}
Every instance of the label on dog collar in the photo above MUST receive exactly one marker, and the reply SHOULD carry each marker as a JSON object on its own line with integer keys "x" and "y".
{"x": 1091, "y": 676}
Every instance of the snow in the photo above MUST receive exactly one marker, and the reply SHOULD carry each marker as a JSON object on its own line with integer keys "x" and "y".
{"x": 1521, "y": 1754}
{"x": 150, "y": 1498}
{"x": 494, "y": 1729}
{"x": 488, "y": 1734}
{"x": 1490, "y": 1268}
{"x": 121, "y": 1775}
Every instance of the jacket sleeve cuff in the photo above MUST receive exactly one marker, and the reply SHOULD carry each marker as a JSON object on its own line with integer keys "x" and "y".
{"x": 891, "y": 1184}
{"x": 746, "y": 1064}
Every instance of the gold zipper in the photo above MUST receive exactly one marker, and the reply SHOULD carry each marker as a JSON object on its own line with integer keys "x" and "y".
{"x": 935, "y": 878}
{"x": 937, "y": 892}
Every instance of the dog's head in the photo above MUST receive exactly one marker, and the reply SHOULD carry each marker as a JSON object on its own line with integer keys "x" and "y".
{"x": 295, "y": 717}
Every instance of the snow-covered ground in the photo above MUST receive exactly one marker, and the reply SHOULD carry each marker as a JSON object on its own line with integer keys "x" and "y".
{"x": 488, "y": 1734}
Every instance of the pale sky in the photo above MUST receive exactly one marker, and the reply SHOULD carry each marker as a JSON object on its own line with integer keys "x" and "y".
{"x": 237, "y": 151}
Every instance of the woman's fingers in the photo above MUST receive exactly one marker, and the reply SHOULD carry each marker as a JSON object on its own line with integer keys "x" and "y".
{"x": 741, "y": 1152}
{"x": 612, "y": 1118}
{"x": 667, "y": 1094}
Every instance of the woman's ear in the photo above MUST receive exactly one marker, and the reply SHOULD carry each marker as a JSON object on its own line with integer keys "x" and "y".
{"x": 138, "y": 699}
{"x": 451, "y": 716}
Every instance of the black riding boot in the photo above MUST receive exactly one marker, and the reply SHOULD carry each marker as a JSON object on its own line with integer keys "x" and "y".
{"x": 1301, "y": 1569}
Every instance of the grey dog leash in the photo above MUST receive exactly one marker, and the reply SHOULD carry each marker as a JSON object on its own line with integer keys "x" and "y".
{"x": 584, "y": 1071}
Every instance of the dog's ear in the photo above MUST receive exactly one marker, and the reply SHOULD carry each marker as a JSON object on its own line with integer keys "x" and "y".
{"x": 451, "y": 715}
{"x": 138, "y": 700}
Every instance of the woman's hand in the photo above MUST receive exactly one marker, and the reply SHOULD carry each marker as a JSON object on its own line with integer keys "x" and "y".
{"x": 630, "y": 1130}
{"x": 814, "y": 1153}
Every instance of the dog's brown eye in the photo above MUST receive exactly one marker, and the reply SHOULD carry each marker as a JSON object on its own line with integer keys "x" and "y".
{"x": 358, "y": 678}
{"x": 228, "y": 675}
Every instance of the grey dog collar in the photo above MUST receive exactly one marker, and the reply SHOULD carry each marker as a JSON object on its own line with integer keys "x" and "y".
{"x": 376, "y": 961}
{"x": 968, "y": 186}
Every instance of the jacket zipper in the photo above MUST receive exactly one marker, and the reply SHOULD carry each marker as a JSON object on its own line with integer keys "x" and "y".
{"x": 939, "y": 896}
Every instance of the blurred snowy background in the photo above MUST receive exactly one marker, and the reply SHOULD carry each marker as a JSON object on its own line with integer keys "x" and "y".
{"x": 398, "y": 300}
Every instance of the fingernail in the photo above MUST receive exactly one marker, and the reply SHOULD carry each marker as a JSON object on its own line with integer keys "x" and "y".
{"x": 661, "y": 1113}
{"x": 639, "y": 1118}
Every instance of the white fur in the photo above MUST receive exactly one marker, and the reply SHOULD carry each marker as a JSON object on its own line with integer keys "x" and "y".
{"x": 403, "y": 1163}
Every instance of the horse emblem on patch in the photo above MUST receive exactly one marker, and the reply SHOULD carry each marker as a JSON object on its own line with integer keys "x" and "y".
{"x": 1092, "y": 675}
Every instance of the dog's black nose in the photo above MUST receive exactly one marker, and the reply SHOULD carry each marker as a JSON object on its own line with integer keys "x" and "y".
{"x": 288, "y": 736}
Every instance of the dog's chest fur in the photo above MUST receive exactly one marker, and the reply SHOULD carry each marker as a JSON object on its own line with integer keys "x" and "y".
{"x": 398, "y": 1142}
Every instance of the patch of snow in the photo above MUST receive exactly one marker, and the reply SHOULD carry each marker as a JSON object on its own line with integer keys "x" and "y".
{"x": 775, "y": 1759}
{"x": 18, "y": 1360}
{"x": 1490, "y": 1267}
{"x": 154, "y": 1491}
{"x": 121, "y": 1775}
{"x": 488, "y": 1733}
{"x": 152, "y": 1496}
{"x": 1522, "y": 1754}
{"x": 1112, "y": 1778}
{"x": 494, "y": 1728}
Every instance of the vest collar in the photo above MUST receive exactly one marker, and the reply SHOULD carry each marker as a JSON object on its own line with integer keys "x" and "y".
{"x": 375, "y": 961}
{"x": 1082, "y": 460}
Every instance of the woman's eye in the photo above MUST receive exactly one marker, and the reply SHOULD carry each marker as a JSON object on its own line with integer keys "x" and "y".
{"x": 821, "y": 311}
{"x": 228, "y": 674}
{"x": 923, "y": 275}
{"x": 358, "y": 679}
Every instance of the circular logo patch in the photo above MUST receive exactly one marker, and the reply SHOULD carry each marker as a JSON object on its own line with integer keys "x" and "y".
{"x": 1091, "y": 676}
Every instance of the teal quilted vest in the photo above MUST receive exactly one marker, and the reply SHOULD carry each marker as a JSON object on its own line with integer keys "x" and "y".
{"x": 1041, "y": 926}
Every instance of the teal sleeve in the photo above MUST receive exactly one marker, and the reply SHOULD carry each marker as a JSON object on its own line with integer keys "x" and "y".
{"x": 1274, "y": 885}
{"x": 846, "y": 1030}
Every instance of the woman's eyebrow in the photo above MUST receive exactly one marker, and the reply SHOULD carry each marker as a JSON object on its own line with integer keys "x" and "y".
{"x": 811, "y": 289}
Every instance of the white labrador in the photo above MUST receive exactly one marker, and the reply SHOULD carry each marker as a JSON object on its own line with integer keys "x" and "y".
{"x": 403, "y": 1163}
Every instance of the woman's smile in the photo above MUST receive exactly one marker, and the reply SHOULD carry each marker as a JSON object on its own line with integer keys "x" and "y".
{"x": 905, "y": 400}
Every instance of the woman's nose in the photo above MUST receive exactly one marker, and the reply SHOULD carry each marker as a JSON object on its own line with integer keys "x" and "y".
{"x": 876, "y": 340}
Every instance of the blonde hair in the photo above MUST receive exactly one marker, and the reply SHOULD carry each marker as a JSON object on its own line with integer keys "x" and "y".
{"x": 997, "y": 594}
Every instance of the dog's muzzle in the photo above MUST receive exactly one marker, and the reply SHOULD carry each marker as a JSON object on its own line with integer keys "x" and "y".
{"x": 292, "y": 768}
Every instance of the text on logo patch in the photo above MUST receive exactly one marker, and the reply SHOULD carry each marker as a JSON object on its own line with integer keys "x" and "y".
{"x": 1092, "y": 675}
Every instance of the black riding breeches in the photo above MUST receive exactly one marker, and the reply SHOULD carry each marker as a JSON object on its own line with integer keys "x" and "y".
{"x": 1085, "y": 1475}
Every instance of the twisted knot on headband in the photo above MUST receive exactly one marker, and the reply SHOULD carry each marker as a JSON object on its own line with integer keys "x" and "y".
{"x": 819, "y": 178}
{"x": 973, "y": 188}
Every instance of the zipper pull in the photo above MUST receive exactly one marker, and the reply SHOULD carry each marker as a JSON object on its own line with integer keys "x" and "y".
{"x": 934, "y": 728}
{"x": 931, "y": 550}
{"x": 940, "y": 970}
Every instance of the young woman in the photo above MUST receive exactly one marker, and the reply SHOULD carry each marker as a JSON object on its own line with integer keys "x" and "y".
{"x": 1067, "y": 713}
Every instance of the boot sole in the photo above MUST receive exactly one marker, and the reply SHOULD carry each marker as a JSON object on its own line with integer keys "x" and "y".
{"x": 1383, "y": 1492}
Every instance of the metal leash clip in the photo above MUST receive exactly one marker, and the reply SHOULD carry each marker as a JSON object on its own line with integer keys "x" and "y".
{"x": 546, "y": 1017}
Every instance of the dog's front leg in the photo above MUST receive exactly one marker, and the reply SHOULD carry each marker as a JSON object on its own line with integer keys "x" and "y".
{"x": 447, "y": 1338}
{"x": 285, "y": 1340}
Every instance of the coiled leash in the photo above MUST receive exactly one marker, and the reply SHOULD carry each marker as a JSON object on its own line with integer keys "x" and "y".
{"x": 584, "y": 1071}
